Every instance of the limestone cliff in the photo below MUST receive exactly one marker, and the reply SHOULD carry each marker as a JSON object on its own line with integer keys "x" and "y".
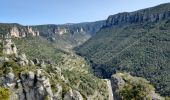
{"x": 21, "y": 31}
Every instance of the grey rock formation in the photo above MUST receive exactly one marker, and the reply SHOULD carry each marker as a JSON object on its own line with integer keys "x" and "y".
{"x": 31, "y": 63}
{"x": 73, "y": 95}
{"x": 42, "y": 64}
{"x": 36, "y": 61}
{"x": 136, "y": 17}
{"x": 22, "y": 60}
{"x": 58, "y": 94}
{"x": 117, "y": 83}
{"x": 32, "y": 32}
{"x": 21, "y": 31}
{"x": 15, "y": 32}
{"x": 9, "y": 47}
{"x": 35, "y": 86}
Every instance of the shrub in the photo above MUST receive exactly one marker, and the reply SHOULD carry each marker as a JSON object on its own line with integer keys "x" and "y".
{"x": 4, "y": 94}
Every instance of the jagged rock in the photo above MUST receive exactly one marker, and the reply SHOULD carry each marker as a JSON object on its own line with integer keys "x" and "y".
{"x": 10, "y": 76}
{"x": 31, "y": 63}
{"x": 19, "y": 32}
{"x": 135, "y": 17}
{"x": 42, "y": 64}
{"x": 119, "y": 80}
{"x": 22, "y": 60}
{"x": 60, "y": 31}
{"x": 27, "y": 81}
{"x": 58, "y": 94}
{"x": 9, "y": 47}
{"x": 43, "y": 84}
{"x": 32, "y": 32}
{"x": 73, "y": 95}
{"x": 117, "y": 83}
{"x": 15, "y": 32}
{"x": 36, "y": 61}
{"x": 35, "y": 86}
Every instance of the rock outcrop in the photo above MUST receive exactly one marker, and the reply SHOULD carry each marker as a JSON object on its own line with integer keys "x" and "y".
{"x": 73, "y": 95}
{"x": 22, "y": 60}
{"x": 141, "y": 16}
{"x": 9, "y": 47}
{"x": 23, "y": 31}
{"x": 121, "y": 81}
{"x": 15, "y": 32}
{"x": 32, "y": 32}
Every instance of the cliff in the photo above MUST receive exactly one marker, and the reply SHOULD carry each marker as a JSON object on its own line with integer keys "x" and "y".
{"x": 153, "y": 14}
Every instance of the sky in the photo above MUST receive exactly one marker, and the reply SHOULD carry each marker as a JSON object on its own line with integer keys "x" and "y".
{"x": 36, "y": 12}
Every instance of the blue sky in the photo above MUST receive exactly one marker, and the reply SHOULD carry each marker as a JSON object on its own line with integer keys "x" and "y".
{"x": 33, "y": 12}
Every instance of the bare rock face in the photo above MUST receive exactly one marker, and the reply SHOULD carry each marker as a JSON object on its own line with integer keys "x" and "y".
{"x": 36, "y": 61}
{"x": 27, "y": 82}
{"x": 135, "y": 17}
{"x": 73, "y": 95}
{"x": 42, "y": 64}
{"x": 19, "y": 32}
{"x": 119, "y": 80}
{"x": 60, "y": 31}
{"x": 117, "y": 83}
{"x": 35, "y": 86}
{"x": 32, "y": 32}
{"x": 15, "y": 32}
{"x": 22, "y": 60}
{"x": 9, "y": 47}
{"x": 58, "y": 94}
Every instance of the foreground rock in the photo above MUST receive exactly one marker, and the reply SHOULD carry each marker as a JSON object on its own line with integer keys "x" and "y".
{"x": 125, "y": 86}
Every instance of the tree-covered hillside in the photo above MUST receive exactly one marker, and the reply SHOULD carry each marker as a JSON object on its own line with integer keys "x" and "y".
{"x": 136, "y": 44}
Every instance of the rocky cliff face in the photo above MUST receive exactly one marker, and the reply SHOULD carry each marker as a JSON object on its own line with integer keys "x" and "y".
{"x": 21, "y": 31}
{"x": 65, "y": 36}
{"x": 141, "y": 16}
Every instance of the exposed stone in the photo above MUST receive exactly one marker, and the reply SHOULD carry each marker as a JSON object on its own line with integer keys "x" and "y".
{"x": 58, "y": 94}
{"x": 31, "y": 63}
{"x": 36, "y": 61}
{"x": 15, "y": 32}
{"x": 9, "y": 47}
{"x": 60, "y": 31}
{"x": 22, "y": 60}
{"x": 3, "y": 59}
{"x": 31, "y": 32}
{"x": 42, "y": 64}
{"x": 9, "y": 77}
{"x": 117, "y": 83}
{"x": 73, "y": 95}
{"x": 135, "y": 17}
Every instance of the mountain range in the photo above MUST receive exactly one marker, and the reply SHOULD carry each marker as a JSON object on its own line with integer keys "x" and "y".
{"x": 72, "y": 61}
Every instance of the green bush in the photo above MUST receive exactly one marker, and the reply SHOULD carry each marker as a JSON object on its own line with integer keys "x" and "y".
{"x": 4, "y": 94}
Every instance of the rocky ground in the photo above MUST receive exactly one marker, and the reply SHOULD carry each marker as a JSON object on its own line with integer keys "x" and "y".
{"x": 22, "y": 78}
